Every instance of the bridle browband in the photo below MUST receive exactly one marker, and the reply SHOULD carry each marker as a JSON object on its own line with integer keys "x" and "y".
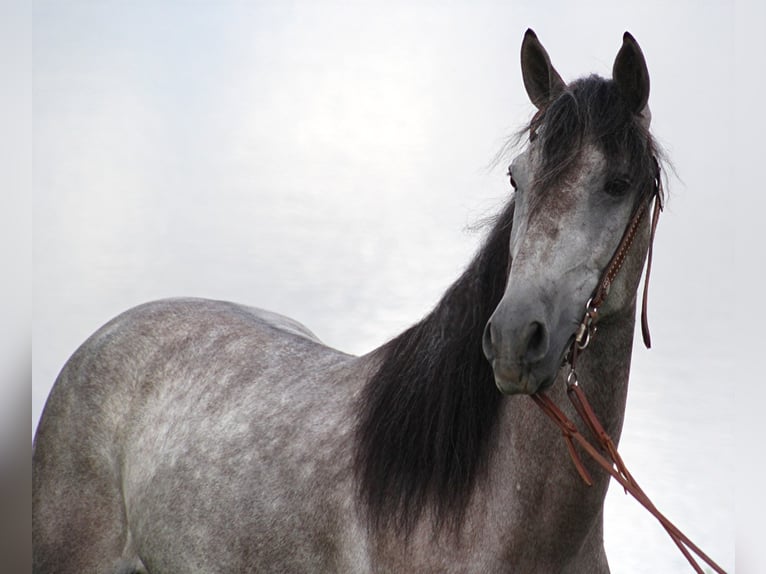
{"x": 608, "y": 457}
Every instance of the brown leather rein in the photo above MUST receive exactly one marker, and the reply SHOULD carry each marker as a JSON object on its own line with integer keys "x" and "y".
{"x": 608, "y": 457}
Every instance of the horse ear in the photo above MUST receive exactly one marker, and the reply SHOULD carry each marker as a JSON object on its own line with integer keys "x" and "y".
{"x": 541, "y": 80}
{"x": 631, "y": 75}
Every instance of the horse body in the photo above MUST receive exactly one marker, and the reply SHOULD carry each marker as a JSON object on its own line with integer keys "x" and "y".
{"x": 188, "y": 482}
{"x": 219, "y": 437}
{"x": 202, "y": 436}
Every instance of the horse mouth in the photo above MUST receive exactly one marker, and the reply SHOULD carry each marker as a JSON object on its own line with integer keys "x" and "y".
{"x": 515, "y": 378}
{"x": 519, "y": 380}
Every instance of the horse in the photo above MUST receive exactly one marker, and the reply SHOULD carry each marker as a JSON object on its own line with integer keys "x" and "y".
{"x": 191, "y": 435}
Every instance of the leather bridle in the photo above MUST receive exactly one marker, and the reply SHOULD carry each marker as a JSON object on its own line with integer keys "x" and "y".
{"x": 608, "y": 457}
{"x": 588, "y": 324}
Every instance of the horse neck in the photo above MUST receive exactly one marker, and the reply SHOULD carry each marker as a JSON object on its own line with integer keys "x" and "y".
{"x": 603, "y": 369}
{"x": 533, "y": 492}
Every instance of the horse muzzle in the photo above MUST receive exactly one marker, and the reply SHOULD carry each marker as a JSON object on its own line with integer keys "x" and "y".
{"x": 522, "y": 352}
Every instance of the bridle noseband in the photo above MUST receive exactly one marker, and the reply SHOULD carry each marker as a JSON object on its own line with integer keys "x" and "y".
{"x": 608, "y": 457}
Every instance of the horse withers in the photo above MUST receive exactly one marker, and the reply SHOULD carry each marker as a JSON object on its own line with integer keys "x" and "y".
{"x": 202, "y": 436}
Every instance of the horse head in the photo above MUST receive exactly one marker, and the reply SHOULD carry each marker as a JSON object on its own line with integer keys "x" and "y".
{"x": 588, "y": 166}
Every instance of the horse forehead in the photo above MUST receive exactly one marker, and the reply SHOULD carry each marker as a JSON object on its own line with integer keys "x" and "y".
{"x": 568, "y": 195}
{"x": 587, "y": 171}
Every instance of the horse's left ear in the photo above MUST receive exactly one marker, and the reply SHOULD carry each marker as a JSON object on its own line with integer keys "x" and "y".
{"x": 631, "y": 75}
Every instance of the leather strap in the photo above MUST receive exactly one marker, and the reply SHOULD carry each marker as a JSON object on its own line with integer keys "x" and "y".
{"x": 568, "y": 430}
{"x": 614, "y": 465}
{"x": 618, "y": 258}
{"x": 645, "y": 299}
{"x": 587, "y": 326}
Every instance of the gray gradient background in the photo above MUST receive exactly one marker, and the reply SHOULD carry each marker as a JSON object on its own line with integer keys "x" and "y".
{"x": 328, "y": 160}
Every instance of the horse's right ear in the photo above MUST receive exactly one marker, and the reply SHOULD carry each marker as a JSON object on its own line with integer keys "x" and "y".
{"x": 541, "y": 79}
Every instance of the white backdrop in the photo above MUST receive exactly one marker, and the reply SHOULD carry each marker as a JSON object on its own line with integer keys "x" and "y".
{"x": 329, "y": 161}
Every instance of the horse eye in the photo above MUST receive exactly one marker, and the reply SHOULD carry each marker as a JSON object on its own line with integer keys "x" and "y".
{"x": 513, "y": 181}
{"x": 617, "y": 187}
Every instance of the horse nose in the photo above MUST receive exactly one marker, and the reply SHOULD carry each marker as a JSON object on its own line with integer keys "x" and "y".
{"x": 530, "y": 345}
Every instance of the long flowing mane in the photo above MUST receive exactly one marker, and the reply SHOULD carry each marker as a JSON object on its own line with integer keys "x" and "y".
{"x": 427, "y": 416}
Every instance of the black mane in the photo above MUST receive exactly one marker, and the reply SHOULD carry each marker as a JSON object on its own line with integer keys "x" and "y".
{"x": 427, "y": 417}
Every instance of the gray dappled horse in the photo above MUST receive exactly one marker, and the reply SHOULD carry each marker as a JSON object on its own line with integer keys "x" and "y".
{"x": 203, "y": 436}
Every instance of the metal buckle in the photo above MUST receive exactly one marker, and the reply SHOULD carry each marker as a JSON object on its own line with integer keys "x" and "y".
{"x": 587, "y": 327}
{"x": 583, "y": 335}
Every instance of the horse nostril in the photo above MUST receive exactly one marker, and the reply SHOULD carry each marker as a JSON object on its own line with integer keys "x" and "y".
{"x": 536, "y": 338}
